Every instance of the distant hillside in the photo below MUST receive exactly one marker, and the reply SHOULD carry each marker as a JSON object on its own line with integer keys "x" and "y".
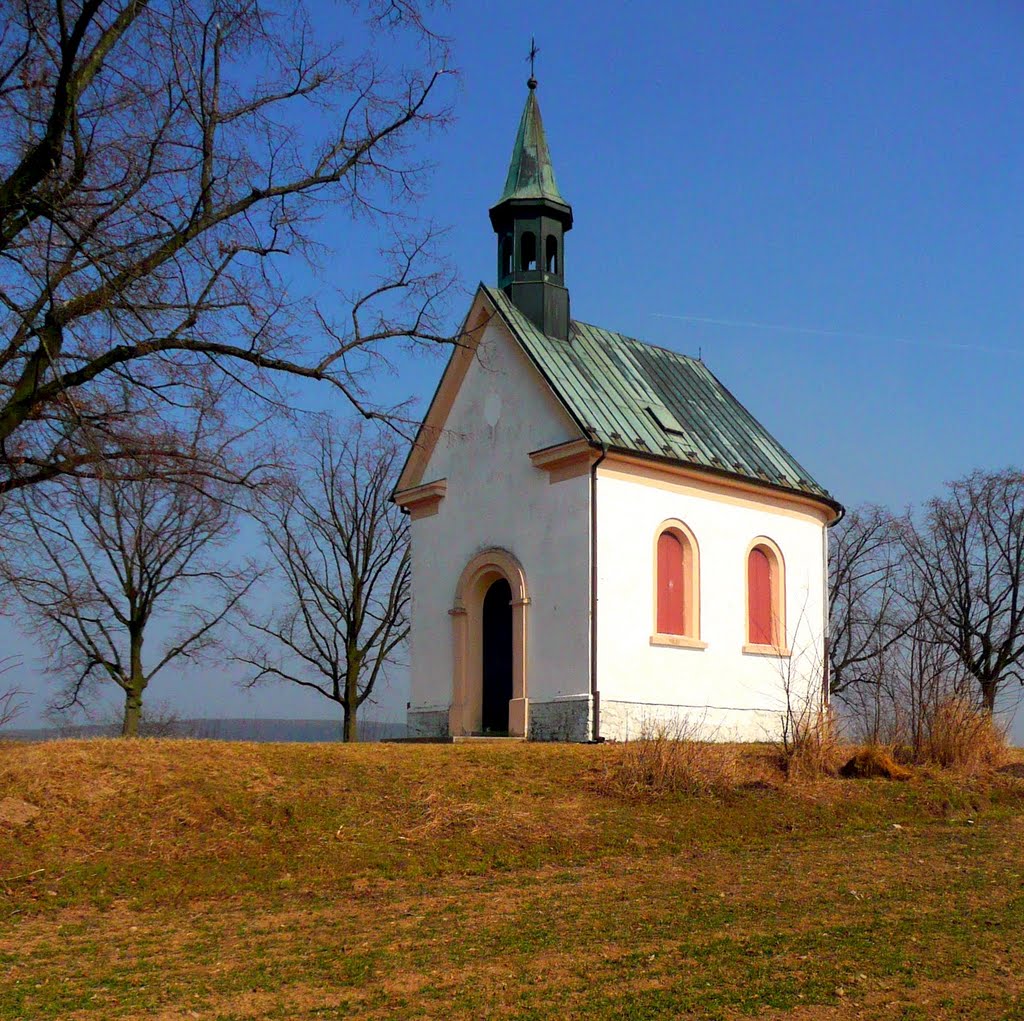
{"x": 223, "y": 730}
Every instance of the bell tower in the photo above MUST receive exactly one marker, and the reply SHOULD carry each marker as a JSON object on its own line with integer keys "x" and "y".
{"x": 531, "y": 219}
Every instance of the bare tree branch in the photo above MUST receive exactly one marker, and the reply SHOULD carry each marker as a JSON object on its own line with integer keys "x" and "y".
{"x": 11, "y": 699}
{"x": 342, "y": 551}
{"x": 867, "y": 611}
{"x": 967, "y": 555}
{"x": 154, "y": 195}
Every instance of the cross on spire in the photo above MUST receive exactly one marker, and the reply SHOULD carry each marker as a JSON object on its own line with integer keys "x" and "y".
{"x": 531, "y": 57}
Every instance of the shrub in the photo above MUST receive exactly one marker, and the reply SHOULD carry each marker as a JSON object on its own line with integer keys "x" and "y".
{"x": 669, "y": 758}
{"x": 810, "y": 744}
{"x": 960, "y": 734}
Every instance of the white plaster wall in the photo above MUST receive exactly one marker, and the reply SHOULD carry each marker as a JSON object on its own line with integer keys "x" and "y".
{"x": 730, "y": 695}
{"x": 496, "y": 497}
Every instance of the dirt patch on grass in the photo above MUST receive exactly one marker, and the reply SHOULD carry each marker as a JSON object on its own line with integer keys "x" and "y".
{"x": 15, "y": 812}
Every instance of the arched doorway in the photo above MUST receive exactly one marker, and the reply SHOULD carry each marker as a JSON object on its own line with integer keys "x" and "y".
{"x": 489, "y": 655}
{"x": 496, "y": 661}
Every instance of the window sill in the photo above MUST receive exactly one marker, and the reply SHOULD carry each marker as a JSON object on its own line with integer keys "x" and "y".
{"x": 678, "y": 641}
{"x": 778, "y": 651}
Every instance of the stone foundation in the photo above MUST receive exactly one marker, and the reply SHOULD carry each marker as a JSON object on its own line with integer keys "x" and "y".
{"x": 562, "y": 719}
{"x": 428, "y": 722}
{"x": 628, "y": 721}
{"x": 571, "y": 719}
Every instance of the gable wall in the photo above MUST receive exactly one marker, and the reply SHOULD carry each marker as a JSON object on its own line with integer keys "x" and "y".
{"x": 497, "y": 498}
{"x": 640, "y": 683}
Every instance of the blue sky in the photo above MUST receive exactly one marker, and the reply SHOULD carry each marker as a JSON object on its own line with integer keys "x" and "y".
{"x": 849, "y": 168}
{"x": 842, "y": 180}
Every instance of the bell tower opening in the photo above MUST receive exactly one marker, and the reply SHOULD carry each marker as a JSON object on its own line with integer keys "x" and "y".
{"x": 505, "y": 267}
{"x": 528, "y": 250}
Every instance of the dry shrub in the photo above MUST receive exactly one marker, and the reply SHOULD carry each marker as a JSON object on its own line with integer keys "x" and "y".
{"x": 669, "y": 758}
{"x": 810, "y": 747}
{"x": 962, "y": 735}
{"x": 874, "y": 762}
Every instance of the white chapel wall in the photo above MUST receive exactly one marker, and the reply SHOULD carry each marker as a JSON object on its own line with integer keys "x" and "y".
{"x": 726, "y": 693}
{"x": 497, "y": 498}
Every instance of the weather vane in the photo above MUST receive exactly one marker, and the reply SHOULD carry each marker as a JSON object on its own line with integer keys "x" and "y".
{"x": 531, "y": 58}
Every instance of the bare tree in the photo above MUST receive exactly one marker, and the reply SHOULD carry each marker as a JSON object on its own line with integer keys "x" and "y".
{"x": 104, "y": 560}
{"x": 896, "y": 700}
{"x": 161, "y": 165}
{"x": 342, "y": 549}
{"x": 967, "y": 560}
{"x": 868, "y": 612}
{"x": 11, "y": 704}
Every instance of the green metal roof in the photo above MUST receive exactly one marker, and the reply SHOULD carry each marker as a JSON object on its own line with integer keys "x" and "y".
{"x": 645, "y": 400}
{"x": 530, "y": 173}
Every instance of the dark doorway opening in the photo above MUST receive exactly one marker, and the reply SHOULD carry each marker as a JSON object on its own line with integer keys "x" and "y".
{"x": 497, "y": 657}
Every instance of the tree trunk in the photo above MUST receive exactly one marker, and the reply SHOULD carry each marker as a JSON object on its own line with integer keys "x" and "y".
{"x": 351, "y": 697}
{"x": 132, "y": 713}
{"x": 349, "y": 730}
{"x": 988, "y": 696}
{"x": 133, "y": 693}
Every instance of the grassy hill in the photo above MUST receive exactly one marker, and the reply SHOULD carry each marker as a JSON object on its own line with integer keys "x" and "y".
{"x": 182, "y": 879}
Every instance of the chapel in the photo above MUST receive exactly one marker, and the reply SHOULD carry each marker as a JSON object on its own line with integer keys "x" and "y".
{"x": 604, "y": 540}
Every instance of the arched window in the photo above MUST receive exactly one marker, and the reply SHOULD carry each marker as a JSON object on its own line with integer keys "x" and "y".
{"x": 671, "y": 585}
{"x": 506, "y": 255}
{"x": 551, "y": 254}
{"x": 759, "y": 597}
{"x": 677, "y": 587}
{"x": 528, "y": 250}
{"x": 766, "y": 597}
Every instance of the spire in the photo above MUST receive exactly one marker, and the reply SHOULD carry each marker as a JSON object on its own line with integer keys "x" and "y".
{"x": 531, "y": 219}
{"x": 530, "y": 171}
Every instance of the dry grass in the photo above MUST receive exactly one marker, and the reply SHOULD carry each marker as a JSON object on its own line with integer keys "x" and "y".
{"x": 670, "y": 758}
{"x": 812, "y": 749}
{"x": 182, "y": 879}
{"x": 961, "y": 735}
{"x": 874, "y": 762}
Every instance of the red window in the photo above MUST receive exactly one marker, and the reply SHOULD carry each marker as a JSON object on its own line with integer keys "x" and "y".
{"x": 671, "y": 567}
{"x": 759, "y": 598}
